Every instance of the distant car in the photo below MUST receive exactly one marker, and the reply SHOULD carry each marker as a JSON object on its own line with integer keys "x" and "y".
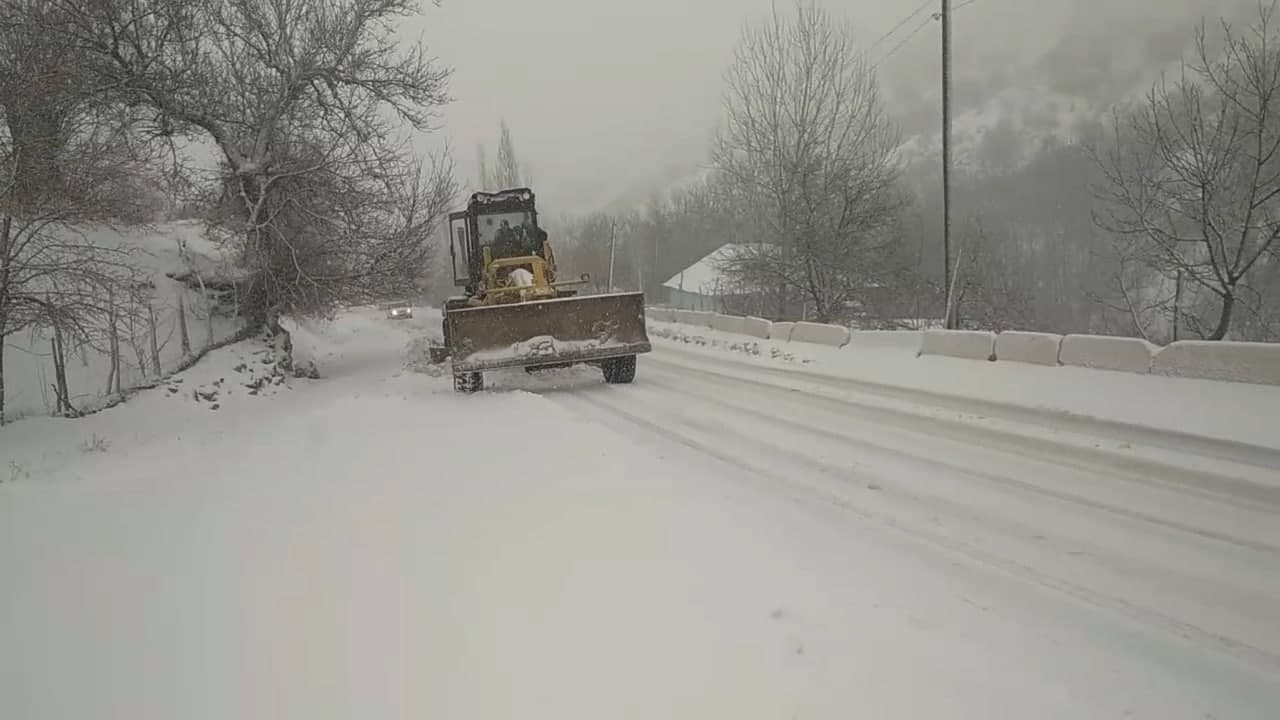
{"x": 399, "y": 312}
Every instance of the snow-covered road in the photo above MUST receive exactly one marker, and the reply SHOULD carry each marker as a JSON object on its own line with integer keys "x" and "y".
{"x": 1183, "y": 563}
{"x": 717, "y": 540}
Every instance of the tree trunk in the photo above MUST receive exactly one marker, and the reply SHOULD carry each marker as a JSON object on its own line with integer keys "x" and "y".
{"x": 113, "y": 345}
{"x": 57, "y": 392}
{"x": 155, "y": 341}
{"x": 1224, "y": 320}
{"x": 182, "y": 326}
{"x": 208, "y": 341}
{"x": 6, "y": 229}
{"x": 61, "y": 388}
{"x": 137, "y": 345}
{"x": 2, "y": 395}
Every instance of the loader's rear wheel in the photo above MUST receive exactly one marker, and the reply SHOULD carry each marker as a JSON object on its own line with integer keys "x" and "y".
{"x": 620, "y": 370}
{"x": 468, "y": 382}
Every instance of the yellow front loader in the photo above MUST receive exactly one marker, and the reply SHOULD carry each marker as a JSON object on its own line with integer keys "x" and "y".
{"x": 515, "y": 313}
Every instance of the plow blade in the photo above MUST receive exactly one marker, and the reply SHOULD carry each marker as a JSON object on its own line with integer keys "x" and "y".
{"x": 563, "y": 331}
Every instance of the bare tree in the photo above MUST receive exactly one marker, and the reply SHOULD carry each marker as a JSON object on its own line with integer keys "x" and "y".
{"x": 811, "y": 152}
{"x": 302, "y": 102}
{"x": 991, "y": 281}
{"x": 66, "y": 159}
{"x": 1193, "y": 182}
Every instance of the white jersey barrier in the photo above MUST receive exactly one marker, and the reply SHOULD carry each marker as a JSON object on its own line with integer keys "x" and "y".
{"x": 906, "y": 340}
{"x": 1231, "y": 361}
{"x": 1235, "y": 361}
{"x": 1028, "y": 347}
{"x": 967, "y": 344}
{"x": 729, "y": 324}
{"x": 819, "y": 334}
{"x": 757, "y": 327}
{"x": 1103, "y": 352}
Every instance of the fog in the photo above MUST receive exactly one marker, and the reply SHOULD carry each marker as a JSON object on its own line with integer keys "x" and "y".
{"x": 610, "y": 99}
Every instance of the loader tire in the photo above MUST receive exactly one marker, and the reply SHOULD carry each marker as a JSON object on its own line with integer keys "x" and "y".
{"x": 620, "y": 370}
{"x": 471, "y": 382}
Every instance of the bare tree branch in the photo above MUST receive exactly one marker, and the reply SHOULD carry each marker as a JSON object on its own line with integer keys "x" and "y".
{"x": 811, "y": 154}
{"x": 1193, "y": 177}
{"x": 302, "y": 101}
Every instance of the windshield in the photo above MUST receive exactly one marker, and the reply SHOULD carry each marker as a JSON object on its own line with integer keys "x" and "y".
{"x": 489, "y": 225}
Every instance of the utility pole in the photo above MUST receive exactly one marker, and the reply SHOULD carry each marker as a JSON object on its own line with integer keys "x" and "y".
{"x": 948, "y": 322}
{"x": 613, "y": 242}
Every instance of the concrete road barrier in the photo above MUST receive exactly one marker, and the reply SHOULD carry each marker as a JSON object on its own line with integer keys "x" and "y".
{"x": 908, "y": 340}
{"x": 756, "y": 327}
{"x": 967, "y": 344}
{"x": 694, "y": 318}
{"x": 1104, "y": 352}
{"x": 820, "y": 334}
{"x": 728, "y": 324}
{"x": 1251, "y": 362}
{"x": 781, "y": 331}
{"x": 1028, "y": 347}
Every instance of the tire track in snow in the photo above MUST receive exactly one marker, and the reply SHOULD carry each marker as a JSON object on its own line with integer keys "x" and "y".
{"x": 617, "y": 404}
{"x": 1059, "y": 457}
{"x": 1216, "y": 448}
{"x": 1244, "y": 492}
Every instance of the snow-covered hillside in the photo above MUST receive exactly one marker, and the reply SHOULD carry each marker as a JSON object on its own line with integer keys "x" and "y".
{"x": 159, "y": 250}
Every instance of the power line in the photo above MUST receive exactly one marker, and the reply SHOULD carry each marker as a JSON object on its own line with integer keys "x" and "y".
{"x": 901, "y": 22}
{"x": 904, "y": 40}
{"x": 933, "y": 16}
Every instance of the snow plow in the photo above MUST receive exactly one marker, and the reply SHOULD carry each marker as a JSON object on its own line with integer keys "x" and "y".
{"x": 516, "y": 313}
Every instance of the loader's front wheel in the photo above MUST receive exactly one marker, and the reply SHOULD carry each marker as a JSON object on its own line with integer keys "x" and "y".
{"x": 471, "y": 382}
{"x": 619, "y": 370}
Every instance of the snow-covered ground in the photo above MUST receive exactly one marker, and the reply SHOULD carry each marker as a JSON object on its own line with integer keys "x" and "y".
{"x": 727, "y": 537}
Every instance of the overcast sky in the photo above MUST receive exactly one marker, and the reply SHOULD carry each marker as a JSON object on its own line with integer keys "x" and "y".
{"x": 604, "y": 94}
{"x": 598, "y": 93}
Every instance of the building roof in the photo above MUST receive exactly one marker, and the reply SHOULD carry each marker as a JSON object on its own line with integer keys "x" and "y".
{"x": 707, "y": 276}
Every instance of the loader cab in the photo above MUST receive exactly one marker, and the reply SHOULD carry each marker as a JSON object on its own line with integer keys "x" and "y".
{"x": 501, "y": 221}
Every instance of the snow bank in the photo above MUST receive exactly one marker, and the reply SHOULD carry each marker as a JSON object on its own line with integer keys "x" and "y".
{"x": 966, "y": 344}
{"x": 757, "y": 327}
{"x": 781, "y": 331}
{"x": 660, "y": 314}
{"x": 886, "y": 339}
{"x": 1234, "y": 361}
{"x": 1103, "y": 352}
{"x": 1028, "y": 347}
{"x": 820, "y": 334}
